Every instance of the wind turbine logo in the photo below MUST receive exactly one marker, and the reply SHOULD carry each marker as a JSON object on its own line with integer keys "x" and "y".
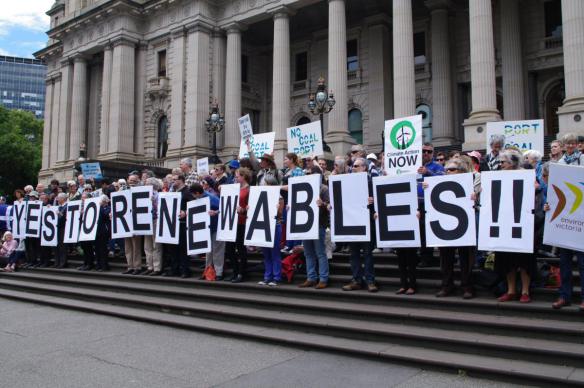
{"x": 402, "y": 135}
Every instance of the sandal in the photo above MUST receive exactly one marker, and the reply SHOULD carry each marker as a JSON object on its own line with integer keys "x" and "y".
{"x": 400, "y": 291}
{"x": 410, "y": 291}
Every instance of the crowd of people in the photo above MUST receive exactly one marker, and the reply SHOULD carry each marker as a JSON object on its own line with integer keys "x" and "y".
{"x": 172, "y": 260}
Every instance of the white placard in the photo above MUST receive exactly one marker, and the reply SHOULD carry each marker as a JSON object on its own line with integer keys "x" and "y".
{"x": 396, "y": 205}
{"x": 403, "y": 145}
{"x": 90, "y": 219}
{"x": 49, "y": 232}
{"x": 121, "y": 203}
{"x": 564, "y": 222}
{"x": 524, "y": 135}
{"x": 198, "y": 230}
{"x": 450, "y": 215}
{"x": 305, "y": 140}
{"x": 34, "y": 211}
{"x": 260, "y": 226}
{"x": 506, "y": 218}
{"x": 19, "y": 219}
{"x": 228, "y": 203}
{"x": 141, "y": 208}
{"x": 73, "y": 222}
{"x": 303, "y": 214}
{"x": 203, "y": 166}
{"x": 349, "y": 195}
{"x": 261, "y": 143}
{"x": 245, "y": 128}
{"x": 167, "y": 226}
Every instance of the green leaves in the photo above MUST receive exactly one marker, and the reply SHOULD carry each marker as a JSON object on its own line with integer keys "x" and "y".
{"x": 20, "y": 149}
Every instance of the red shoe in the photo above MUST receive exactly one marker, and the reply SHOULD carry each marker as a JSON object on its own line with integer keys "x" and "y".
{"x": 524, "y": 298}
{"x": 507, "y": 297}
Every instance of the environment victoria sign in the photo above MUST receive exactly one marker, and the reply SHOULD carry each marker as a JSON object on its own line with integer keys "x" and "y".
{"x": 403, "y": 145}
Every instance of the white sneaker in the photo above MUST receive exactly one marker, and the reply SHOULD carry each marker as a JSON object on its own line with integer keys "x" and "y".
{"x": 273, "y": 284}
{"x": 263, "y": 283}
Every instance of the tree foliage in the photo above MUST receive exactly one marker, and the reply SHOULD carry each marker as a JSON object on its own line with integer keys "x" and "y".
{"x": 20, "y": 149}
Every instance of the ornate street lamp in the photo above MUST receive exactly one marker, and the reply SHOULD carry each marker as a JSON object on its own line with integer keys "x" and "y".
{"x": 320, "y": 103}
{"x": 215, "y": 124}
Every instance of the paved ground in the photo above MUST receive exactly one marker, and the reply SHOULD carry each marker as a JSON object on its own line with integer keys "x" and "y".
{"x": 47, "y": 347}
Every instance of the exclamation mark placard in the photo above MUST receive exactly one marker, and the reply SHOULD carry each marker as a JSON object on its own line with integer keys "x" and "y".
{"x": 517, "y": 204}
{"x": 495, "y": 201}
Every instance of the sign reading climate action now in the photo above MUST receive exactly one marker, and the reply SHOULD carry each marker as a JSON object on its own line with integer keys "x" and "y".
{"x": 403, "y": 145}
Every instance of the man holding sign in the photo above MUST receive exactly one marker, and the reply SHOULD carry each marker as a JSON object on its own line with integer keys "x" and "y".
{"x": 305, "y": 140}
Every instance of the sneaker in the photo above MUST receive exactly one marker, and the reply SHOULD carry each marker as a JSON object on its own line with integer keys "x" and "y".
{"x": 274, "y": 283}
{"x": 263, "y": 282}
{"x": 524, "y": 298}
{"x": 376, "y": 250}
{"x": 285, "y": 250}
{"x": 442, "y": 293}
{"x": 110, "y": 254}
{"x": 467, "y": 295}
{"x": 354, "y": 285}
{"x": 372, "y": 287}
{"x": 558, "y": 304}
{"x": 507, "y": 297}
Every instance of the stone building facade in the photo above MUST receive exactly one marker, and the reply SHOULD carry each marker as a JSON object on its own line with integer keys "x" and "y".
{"x": 133, "y": 80}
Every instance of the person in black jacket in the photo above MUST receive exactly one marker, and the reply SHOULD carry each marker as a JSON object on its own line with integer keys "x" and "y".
{"x": 61, "y": 249}
{"x": 103, "y": 235}
{"x": 180, "y": 264}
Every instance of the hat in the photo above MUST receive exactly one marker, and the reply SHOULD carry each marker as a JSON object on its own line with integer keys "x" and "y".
{"x": 356, "y": 148}
{"x": 475, "y": 154}
{"x": 233, "y": 164}
{"x": 372, "y": 156}
{"x": 269, "y": 158}
{"x": 33, "y": 194}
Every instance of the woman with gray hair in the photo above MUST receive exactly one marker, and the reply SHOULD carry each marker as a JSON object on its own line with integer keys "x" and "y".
{"x": 497, "y": 142}
{"x": 572, "y": 156}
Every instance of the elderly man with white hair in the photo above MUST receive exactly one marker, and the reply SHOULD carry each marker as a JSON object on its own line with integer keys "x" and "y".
{"x": 186, "y": 166}
{"x": 497, "y": 142}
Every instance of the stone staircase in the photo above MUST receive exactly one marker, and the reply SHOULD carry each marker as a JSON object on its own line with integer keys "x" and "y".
{"x": 525, "y": 343}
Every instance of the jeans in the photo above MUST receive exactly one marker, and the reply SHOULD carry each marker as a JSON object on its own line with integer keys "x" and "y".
{"x": 315, "y": 250}
{"x": 273, "y": 259}
{"x": 356, "y": 268}
{"x": 566, "y": 272}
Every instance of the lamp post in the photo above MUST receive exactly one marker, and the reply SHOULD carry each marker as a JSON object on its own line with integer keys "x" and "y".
{"x": 215, "y": 124}
{"x": 320, "y": 103}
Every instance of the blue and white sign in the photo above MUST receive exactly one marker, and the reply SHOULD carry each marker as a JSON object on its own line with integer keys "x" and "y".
{"x": 261, "y": 143}
{"x": 524, "y": 135}
{"x": 305, "y": 140}
{"x": 91, "y": 170}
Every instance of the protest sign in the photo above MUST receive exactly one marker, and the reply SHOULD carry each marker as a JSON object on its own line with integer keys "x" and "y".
{"x": 349, "y": 195}
{"x": 203, "y": 166}
{"x": 228, "y": 203}
{"x": 303, "y": 214}
{"x": 506, "y": 215}
{"x": 524, "y": 135}
{"x": 261, "y": 143}
{"x": 141, "y": 210}
{"x": 91, "y": 170}
{"x": 245, "y": 128}
{"x": 450, "y": 215}
{"x": 19, "y": 219}
{"x": 305, "y": 140}
{"x": 403, "y": 145}
{"x": 167, "y": 226}
{"x": 198, "y": 231}
{"x": 260, "y": 226}
{"x": 564, "y": 222}
{"x": 396, "y": 204}
{"x": 50, "y": 219}
{"x": 73, "y": 222}
{"x": 121, "y": 202}
{"x": 90, "y": 219}
{"x": 33, "y": 218}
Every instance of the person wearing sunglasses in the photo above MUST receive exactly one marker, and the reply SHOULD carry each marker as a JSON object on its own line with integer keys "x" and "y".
{"x": 441, "y": 158}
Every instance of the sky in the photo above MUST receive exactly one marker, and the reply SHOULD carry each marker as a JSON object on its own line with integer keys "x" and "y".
{"x": 23, "y": 26}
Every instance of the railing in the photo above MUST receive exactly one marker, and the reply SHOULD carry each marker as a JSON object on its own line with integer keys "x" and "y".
{"x": 155, "y": 162}
{"x": 552, "y": 42}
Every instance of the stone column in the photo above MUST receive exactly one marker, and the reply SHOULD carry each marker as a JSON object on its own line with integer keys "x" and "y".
{"x": 47, "y": 136}
{"x": 281, "y": 78}
{"x": 442, "y": 123}
{"x": 177, "y": 82}
{"x": 512, "y": 66}
{"x": 78, "y": 107}
{"x": 233, "y": 90}
{"x": 197, "y": 105}
{"x": 571, "y": 113}
{"x": 65, "y": 111}
{"x": 218, "y": 76}
{"x": 337, "y": 135}
{"x": 482, "y": 74}
{"x": 139, "y": 99}
{"x": 105, "y": 99}
{"x": 121, "y": 123}
{"x": 404, "y": 77}
{"x": 380, "y": 82}
{"x": 54, "y": 157}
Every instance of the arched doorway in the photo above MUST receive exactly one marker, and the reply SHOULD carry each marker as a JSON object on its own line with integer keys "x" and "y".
{"x": 162, "y": 144}
{"x": 303, "y": 120}
{"x": 356, "y": 125}
{"x": 553, "y": 100}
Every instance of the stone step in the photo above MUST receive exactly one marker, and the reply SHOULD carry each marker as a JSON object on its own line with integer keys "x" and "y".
{"x": 521, "y": 370}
